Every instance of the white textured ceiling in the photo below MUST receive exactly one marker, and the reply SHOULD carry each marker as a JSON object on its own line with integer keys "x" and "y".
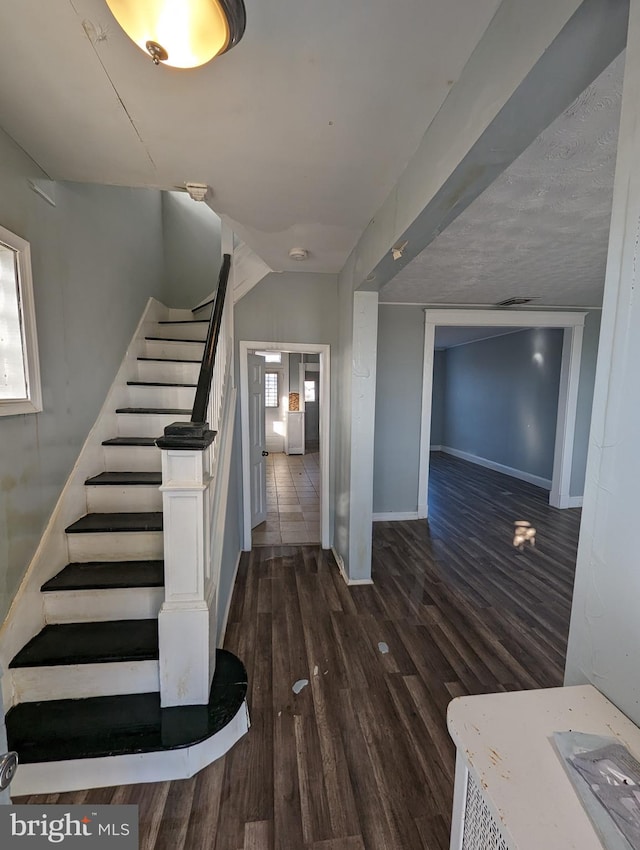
{"x": 541, "y": 229}
{"x": 302, "y": 129}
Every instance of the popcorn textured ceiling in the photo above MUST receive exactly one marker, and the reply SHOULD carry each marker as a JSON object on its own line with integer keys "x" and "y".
{"x": 542, "y": 228}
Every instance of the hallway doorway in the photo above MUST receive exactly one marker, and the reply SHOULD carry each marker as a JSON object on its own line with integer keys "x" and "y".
{"x": 296, "y": 480}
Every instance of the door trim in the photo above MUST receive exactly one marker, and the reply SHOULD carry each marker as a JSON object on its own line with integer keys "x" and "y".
{"x": 325, "y": 423}
{"x": 568, "y": 394}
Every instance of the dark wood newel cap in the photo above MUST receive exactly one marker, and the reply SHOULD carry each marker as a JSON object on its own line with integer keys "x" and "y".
{"x": 187, "y": 436}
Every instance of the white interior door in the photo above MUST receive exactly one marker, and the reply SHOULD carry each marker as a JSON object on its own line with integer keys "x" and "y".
{"x": 257, "y": 440}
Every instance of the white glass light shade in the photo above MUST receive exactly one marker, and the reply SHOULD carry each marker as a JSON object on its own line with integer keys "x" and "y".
{"x": 191, "y": 32}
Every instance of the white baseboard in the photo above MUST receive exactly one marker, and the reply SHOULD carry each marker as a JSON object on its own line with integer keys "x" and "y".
{"x": 544, "y": 483}
{"x": 557, "y": 500}
{"x": 351, "y": 582}
{"x": 435, "y": 448}
{"x": 395, "y": 516}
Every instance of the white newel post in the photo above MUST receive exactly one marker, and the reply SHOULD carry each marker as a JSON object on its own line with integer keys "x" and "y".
{"x": 186, "y": 630}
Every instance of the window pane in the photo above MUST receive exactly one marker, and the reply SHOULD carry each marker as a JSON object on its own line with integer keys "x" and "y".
{"x": 271, "y": 389}
{"x": 309, "y": 390}
{"x": 13, "y": 382}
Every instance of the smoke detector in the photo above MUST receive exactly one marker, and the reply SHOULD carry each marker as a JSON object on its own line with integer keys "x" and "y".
{"x": 298, "y": 254}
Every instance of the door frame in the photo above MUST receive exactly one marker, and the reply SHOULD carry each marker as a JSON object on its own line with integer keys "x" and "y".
{"x": 573, "y": 325}
{"x": 325, "y": 424}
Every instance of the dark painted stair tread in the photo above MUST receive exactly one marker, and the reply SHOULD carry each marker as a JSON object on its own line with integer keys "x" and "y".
{"x": 107, "y": 575}
{"x": 157, "y": 384}
{"x": 91, "y": 643}
{"x": 184, "y": 322}
{"x": 128, "y": 521}
{"x": 174, "y": 339}
{"x": 130, "y": 441}
{"x": 130, "y": 723}
{"x": 166, "y": 360}
{"x": 174, "y": 411}
{"x": 116, "y": 478}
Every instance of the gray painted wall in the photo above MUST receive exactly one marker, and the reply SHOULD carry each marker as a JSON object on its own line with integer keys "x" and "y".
{"x": 585, "y": 401}
{"x": 438, "y": 397}
{"x": 501, "y": 399}
{"x": 192, "y": 256}
{"x": 398, "y": 408}
{"x": 232, "y": 530}
{"x": 295, "y": 307}
{"x": 97, "y": 257}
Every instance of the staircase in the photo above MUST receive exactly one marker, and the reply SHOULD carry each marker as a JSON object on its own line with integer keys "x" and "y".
{"x": 87, "y": 686}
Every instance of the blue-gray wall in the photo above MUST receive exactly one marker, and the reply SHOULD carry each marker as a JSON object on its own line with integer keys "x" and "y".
{"x": 398, "y": 408}
{"x": 191, "y": 249}
{"x": 232, "y": 531}
{"x": 585, "y": 401}
{"x": 501, "y": 399}
{"x": 97, "y": 257}
{"x": 438, "y": 397}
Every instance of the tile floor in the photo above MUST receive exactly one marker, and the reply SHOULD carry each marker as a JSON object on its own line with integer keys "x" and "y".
{"x": 293, "y": 501}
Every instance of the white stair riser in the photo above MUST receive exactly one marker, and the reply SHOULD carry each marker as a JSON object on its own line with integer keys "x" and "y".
{"x": 133, "y": 458}
{"x": 147, "y": 424}
{"x": 173, "y": 350}
{"x": 161, "y": 396}
{"x": 156, "y": 370}
{"x": 79, "y": 681}
{"x": 116, "y": 546}
{"x": 193, "y": 330}
{"x": 111, "y": 498}
{"x": 92, "y": 606}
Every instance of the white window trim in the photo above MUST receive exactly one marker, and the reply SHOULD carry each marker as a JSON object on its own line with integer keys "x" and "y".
{"x": 33, "y": 404}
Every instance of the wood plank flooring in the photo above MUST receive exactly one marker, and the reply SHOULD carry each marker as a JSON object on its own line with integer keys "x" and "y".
{"x": 360, "y": 759}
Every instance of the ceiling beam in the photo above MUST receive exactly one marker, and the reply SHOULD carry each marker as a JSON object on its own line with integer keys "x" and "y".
{"x": 532, "y": 62}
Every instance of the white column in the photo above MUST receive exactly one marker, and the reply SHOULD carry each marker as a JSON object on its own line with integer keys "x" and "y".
{"x": 605, "y": 623}
{"x": 186, "y": 633}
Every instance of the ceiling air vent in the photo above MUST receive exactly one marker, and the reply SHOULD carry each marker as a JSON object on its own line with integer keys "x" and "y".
{"x": 517, "y": 299}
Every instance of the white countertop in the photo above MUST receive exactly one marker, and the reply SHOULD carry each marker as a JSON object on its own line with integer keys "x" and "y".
{"x": 506, "y": 741}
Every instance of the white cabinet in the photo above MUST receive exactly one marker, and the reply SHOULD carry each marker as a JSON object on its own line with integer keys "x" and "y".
{"x": 295, "y": 432}
{"x": 511, "y": 790}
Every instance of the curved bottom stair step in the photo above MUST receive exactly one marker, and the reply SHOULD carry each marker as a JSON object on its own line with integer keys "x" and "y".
{"x": 132, "y": 723}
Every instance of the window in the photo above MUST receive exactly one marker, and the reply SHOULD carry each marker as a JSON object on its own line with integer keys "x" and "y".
{"x": 19, "y": 369}
{"x": 309, "y": 390}
{"x": 271, "y": 394}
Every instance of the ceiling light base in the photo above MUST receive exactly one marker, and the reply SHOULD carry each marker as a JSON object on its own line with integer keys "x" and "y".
{"x": 157, "y": 52}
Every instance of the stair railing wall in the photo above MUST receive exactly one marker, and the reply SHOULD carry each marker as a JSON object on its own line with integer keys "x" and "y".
{"x": 195, "y": 470}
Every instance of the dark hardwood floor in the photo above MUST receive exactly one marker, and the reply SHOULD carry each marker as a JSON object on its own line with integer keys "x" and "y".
{"x": 360, "y": 759}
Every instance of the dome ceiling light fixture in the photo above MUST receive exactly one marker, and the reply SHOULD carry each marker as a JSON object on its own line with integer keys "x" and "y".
{"x": 181, "y": 33}
{"x": 298, "y": 254}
